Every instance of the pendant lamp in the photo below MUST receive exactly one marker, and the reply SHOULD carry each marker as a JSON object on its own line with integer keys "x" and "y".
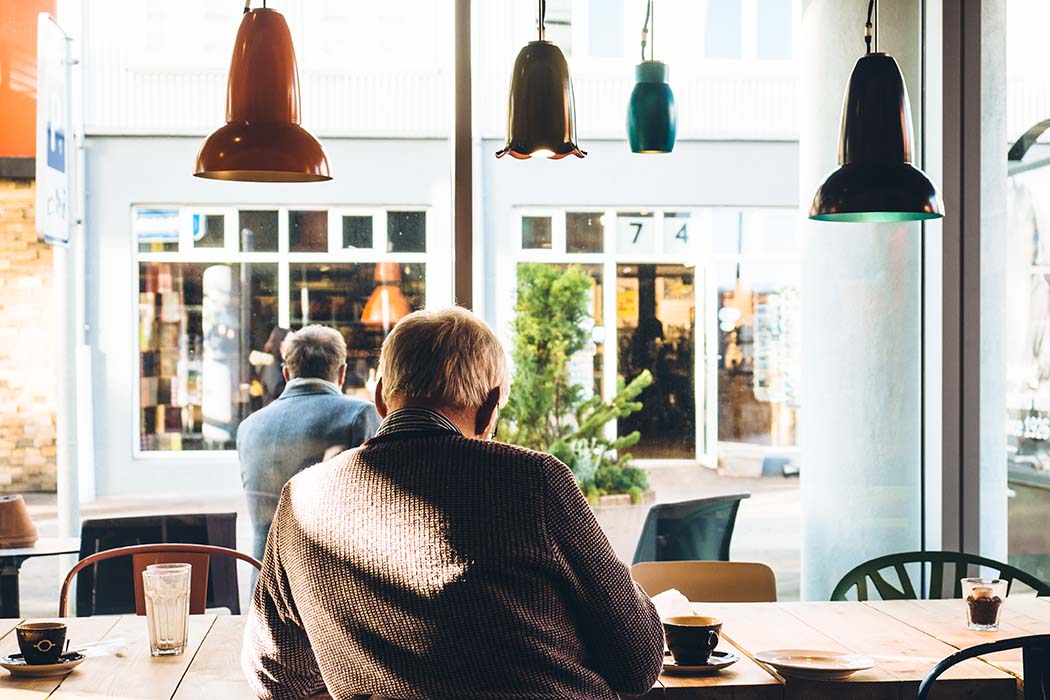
{"x": 876, "y": 181}
{"x": 262, "y": 140}
{"x": 652, "y": 116}
{"x": 541, "y": 115}
{"x": 387, "y": 304}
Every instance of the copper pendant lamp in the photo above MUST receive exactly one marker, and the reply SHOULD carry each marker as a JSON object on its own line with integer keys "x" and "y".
{"x": 387, "y": 304}
{"x": 541, "y": 115}
{"x": 876, "y": 181}
{"x": 262, "y": 140}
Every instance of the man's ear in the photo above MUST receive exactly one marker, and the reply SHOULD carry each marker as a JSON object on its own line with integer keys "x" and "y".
{"x": 341, "y": 382}
{"x": 486, "y": 414}
{"x": 286, "y": 373}
{"x": 380, "y": 403}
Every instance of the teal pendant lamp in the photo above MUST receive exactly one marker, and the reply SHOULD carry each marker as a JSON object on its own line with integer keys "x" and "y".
{"x": 541, "y": 115}
{"x": 876, "y": 181}
{"x": 652, "y": 116}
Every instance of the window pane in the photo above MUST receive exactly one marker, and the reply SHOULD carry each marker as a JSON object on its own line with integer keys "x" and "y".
{"x": 198, "y": 324}
{"x": 605, "y": 29}
{"x": 357, "y": 232}
{"x": 722, "y": 30}
{"x": 258, "y": 230}
{"x": 536, "y": 232}
{"x": 584, "y": 233}
{"x": 157, "y": 230}
{"x": 344, "y": 295}
{"x": 773, "y": 33}
{"x": 209, "y": 231}
{"x": 635, "y": 233}
{"x": 655, "y": 319}
{"x": 308, "y": 231}
{"x": 406, "y": 232}
{"x": 559, "y": 24}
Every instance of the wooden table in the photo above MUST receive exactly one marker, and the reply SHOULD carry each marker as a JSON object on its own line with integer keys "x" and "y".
{"x": 906, "y": 638}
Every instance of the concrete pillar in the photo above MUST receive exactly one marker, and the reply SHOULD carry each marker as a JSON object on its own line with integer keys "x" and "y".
{"x": 860, "y": 430}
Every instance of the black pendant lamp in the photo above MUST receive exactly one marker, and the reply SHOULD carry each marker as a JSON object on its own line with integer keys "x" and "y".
{"x": 876, "y": 181}
{"x": 652, "y": 117}
{"x": 541, "y": 116}
{"x": 262, "y": 140}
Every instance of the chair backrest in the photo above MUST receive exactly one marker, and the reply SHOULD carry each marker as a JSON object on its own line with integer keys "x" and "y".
{"x": 700, "y": 529}
{"x": 876, "y": 571}
{"x": 1036, "y": 672}
{"x": 108, "y": 587}
{"x": 198, "y": 555}
{"x": 709, "y": 581}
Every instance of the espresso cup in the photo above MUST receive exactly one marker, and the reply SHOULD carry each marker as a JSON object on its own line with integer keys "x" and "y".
{"x": 41, "y": 642}
{"x": 692, "y": 638}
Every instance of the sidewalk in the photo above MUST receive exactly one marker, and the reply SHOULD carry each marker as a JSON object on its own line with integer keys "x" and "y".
{"x": 767, "y": 528}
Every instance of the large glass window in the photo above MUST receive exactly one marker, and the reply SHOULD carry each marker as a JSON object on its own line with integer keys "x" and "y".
{"x": 216, "y": 299}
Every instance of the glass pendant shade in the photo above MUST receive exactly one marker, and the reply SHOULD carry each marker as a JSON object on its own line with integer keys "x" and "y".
{"x": 385, "y": 307}
{"x": 541, "y": 116}
{"x": 652, "y": 116}
{"x": 262, "y": 140}
{"x": 876, "y": 181}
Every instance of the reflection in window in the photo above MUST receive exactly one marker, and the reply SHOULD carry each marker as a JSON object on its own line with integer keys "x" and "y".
{"x": 773, "y": 33}
{"x": 406, "y": 232}
{"x": 198, "y": 323}
{"x": 156, "y": 230}
{"x": 258, "y": 230}
{"x": 357, "y": 232}
{"x": 559, "y": 24}
{"x": 656, "y": 330}
{"x": 605, "y": 29}
{"x": 584, "y": 232}
{"x": 308, "y": 231}
{"x": 209, "y": 231}
{"x": 536, "y": 232}
{"x": 340, "y": 294}
{"x": 722, "y": 29}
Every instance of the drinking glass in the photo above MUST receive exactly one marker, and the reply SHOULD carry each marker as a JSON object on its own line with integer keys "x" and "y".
{"x": 984, "y": 601}
{"x": 167, "y": 591}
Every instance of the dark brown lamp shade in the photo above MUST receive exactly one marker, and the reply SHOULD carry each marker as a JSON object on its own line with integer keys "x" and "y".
{"x": 262, "y": 140}
{"x": 541, "y": 116}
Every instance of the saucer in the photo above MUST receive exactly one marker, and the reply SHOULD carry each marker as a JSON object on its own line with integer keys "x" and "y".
{"x": 717, "y": 661}
{"x": 814, "y": 664}
{"x": 18, "y": 667}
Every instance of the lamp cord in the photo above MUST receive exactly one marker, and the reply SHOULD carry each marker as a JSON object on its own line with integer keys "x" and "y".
{"x": 247, "y": 6}
{"x": 649, "y": 14}
{"x": 543, "y": 15}
{"x": 868, "y": 28}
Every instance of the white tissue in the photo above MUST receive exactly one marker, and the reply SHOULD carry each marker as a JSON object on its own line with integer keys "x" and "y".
{"x": 672, "y": 603}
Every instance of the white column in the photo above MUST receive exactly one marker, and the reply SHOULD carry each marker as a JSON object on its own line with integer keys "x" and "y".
{"x": 860, "y": 432}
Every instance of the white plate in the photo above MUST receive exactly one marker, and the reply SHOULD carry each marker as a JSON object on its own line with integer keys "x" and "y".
{"x": 717, "y": 661}
{"x": 815, "y": 664}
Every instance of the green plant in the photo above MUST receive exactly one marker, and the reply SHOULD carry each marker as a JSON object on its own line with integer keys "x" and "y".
{"x": 546, "y": 410}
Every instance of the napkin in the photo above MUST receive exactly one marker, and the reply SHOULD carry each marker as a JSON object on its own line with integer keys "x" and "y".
{"x": 671, "y": 603}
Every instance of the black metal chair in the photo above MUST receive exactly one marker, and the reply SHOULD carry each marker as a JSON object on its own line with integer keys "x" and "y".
{"x": 872, "y": 570}
{"x": 107, "y": 587}
{"x": 1036, "y": 664}
{"x": 689, "y": 530}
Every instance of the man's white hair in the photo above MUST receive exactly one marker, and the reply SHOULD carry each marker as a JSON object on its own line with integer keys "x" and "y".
{"x": 445, "y": 357}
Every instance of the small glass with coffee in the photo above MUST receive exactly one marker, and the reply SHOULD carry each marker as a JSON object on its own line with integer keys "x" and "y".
{"x": 984, "y": 601}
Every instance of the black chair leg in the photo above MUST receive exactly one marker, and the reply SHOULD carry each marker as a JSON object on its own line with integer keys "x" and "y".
{"x": 1037, "y": 673}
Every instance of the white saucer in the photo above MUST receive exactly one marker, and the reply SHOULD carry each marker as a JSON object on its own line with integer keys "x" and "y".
{"x": 815, "y": 664}
{"x": 18, "y": 667}
{"x": 717, "y": 661}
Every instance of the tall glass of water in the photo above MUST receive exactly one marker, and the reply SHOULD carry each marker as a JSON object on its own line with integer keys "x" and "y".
{"x": 167, "y": 590}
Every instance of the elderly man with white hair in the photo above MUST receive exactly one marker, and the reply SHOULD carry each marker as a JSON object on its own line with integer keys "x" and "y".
{"x": 433, "y": 563}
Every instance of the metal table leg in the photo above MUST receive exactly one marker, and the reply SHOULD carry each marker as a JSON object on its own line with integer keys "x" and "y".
{"x": 9, "y": 603}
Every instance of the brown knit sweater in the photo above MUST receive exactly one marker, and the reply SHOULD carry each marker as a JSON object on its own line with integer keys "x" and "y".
{"x": 425, "y": 565}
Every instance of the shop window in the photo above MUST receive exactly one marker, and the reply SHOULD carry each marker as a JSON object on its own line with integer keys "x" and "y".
{"x": 209, "y": 231}
{"x": 406, "y": 232}
{"x": 198, "y": 324}
{"x": 773, "y": 30}
{"x": 308, "y": 231}
{"x": 258, "y": 231}
{"x": 584, "y": 232}
{"x": 357, "y": 232}
{"x": 722, "y": 29}
{"x": 157, "y": 230}
{"x": 635, "y": 233}
{"x": 536, "y": 232}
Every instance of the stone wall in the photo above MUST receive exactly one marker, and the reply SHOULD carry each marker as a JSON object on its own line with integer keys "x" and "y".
{"x": 27, "y": 342}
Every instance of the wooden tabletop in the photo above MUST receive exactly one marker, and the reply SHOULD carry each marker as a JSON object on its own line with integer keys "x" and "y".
{"x": 45, "y": 546}
{"x": 906, "y": 638}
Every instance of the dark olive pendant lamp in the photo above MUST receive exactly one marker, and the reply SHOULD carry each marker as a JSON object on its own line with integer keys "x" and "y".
{"x": 876, "y": 181}
{"x": 541, "y": 116}
{"x": 262, "y": 140}
{"x": 652, "y": 117}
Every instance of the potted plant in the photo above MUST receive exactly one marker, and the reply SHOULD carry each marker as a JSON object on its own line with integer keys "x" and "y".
{"x": 547, "y": 411}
